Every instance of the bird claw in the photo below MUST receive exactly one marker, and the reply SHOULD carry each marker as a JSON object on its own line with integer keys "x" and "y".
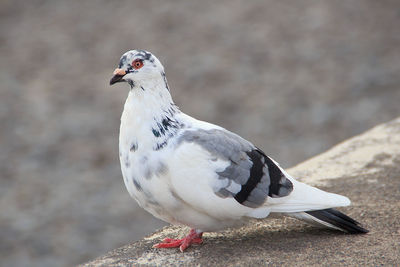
{"x": 184, "y": 243}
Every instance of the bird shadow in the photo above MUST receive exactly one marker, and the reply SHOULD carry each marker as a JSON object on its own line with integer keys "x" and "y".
{"x": 256, "y": 239}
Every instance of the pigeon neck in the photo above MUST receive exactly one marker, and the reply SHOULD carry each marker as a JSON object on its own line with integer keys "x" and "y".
{"x": 150, "y": 116}
{"x": 152, "y": 94}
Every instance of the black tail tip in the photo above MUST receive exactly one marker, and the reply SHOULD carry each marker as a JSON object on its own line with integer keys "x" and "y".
{"x": 339, "y": 220}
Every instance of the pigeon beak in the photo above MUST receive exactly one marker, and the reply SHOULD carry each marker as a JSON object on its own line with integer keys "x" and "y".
{"x": 118, "y": 75}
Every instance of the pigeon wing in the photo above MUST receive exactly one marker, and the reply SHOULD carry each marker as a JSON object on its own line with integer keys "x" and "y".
{"x": 249, "y": 176}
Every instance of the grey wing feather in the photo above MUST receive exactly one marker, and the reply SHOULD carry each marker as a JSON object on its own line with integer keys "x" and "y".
{"x": 252, "y": 176}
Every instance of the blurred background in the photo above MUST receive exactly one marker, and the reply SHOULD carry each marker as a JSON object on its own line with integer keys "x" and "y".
{"x": 294, "y": 77}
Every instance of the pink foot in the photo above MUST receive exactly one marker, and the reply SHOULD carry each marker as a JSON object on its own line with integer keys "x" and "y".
{"x": 192, "y": 238}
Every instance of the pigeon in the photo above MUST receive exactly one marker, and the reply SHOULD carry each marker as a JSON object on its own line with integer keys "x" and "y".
{"x": 190, "y": 172}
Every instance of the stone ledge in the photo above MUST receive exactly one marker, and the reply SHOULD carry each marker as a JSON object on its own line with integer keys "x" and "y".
{"x": 366, "y": 168}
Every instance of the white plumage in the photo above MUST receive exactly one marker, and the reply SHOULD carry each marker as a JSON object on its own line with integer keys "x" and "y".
{"x": 190, "y": 172}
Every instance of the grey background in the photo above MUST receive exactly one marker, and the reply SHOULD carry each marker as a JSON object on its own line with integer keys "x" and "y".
{"x": 294, "y": 77}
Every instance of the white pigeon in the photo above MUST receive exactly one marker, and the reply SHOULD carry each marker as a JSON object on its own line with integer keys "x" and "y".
{"x": 190, "y": 172}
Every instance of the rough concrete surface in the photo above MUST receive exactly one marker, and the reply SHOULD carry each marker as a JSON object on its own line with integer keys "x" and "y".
{"x": 373, "y": 184}
{"x": 294, "y": 77}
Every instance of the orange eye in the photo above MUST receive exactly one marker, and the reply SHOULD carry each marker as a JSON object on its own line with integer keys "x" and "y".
{"x": 137, "y": 64}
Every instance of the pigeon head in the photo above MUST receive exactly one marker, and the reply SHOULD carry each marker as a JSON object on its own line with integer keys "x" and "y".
{"x": 137, "y": 67}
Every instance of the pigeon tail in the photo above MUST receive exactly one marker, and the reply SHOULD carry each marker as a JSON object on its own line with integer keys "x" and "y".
{"x": 331, "y": 218}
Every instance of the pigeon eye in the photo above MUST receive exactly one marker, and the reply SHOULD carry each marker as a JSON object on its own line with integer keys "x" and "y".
{"x": 137, "y": 64}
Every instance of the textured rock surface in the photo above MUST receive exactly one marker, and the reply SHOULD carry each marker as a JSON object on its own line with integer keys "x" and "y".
{"x": 294, "y": 77}
{"x": 366, "y": 168}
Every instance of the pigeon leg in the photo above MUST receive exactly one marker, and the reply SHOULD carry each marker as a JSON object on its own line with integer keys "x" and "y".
{"x": 192, "y": 238}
